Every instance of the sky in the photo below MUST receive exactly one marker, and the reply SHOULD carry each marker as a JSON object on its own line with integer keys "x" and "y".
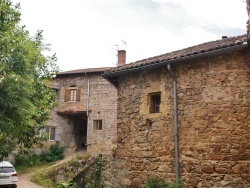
{"x": 88, "y": 33}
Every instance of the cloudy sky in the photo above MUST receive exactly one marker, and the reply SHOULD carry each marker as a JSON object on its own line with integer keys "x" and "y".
{"x": 88, "y": 33}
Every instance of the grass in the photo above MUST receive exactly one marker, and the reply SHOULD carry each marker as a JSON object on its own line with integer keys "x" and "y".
{"x": 48, "y": 176}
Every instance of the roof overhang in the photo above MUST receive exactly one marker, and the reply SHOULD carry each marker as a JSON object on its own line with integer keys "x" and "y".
{"x": 113, "y": 76}
{"x": 71, "y": 108}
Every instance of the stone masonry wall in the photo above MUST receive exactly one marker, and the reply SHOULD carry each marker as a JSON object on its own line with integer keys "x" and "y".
{"x": 102, "y": 105}
{"x": 213, "y": 117}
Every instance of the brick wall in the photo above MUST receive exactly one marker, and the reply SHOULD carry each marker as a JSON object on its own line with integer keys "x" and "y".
{"x": 213, "y": 117}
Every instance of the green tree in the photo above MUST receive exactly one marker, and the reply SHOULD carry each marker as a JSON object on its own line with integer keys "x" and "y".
{"x": 25, "y": 73}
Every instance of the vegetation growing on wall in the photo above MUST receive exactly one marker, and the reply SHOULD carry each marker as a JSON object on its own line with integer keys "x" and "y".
{"x": 153, "y": 183}
{"x": 62, "y": 174}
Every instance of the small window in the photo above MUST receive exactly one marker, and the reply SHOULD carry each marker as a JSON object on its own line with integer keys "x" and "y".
{"x": 51, "y": 132}
{"x": 154, "y": 102}
{"x": 97, "y": 124}
{"x": 73, "y": 94}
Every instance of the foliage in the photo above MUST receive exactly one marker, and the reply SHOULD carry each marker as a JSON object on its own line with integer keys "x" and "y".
{"x": 68, "y": 184}
{"x": 48, "y": 178}
{"x": 54, "y": 153}
{"x": 98, "y": 169}
{"x": 41, "y": 179}
{"x": 25, "y": 96}
{"x": 152, "y": 183}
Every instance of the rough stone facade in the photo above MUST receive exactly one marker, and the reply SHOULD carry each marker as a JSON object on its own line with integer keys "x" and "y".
{"x": 213, "y": 97}
{"x": 74, "y": 119}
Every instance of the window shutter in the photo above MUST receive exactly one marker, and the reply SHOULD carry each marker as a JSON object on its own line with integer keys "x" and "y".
{"x": 57, "y": 134}
{"x": 78, "y": 94}
{"x": 67, "y": 95}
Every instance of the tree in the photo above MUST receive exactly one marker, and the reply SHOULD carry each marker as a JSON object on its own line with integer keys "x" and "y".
{"x": 25, "y": 96}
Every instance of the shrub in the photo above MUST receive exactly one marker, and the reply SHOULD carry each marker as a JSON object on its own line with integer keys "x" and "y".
{"x": 54, "y": 153}
{"x": 152, "y": 183}
{"x": 68, "y": 184}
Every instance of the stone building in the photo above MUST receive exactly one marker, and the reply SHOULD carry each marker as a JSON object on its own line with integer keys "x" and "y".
{"x": 85, "y": 117}
{"x": 184, "y": 115}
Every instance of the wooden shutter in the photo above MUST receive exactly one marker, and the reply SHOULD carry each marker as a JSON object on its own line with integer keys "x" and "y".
{"x": 67, "y": 95}
{"x": 78, "y": 94}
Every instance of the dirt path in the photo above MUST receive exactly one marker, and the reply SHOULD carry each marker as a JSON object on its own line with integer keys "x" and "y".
{"x": 24, "y": 180}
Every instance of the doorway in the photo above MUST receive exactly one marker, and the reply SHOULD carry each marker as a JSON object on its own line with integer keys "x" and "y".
{"x": 80, "y": 132}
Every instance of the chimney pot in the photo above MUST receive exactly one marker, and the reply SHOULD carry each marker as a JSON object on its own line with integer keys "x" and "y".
{"x": 121, "y": 57}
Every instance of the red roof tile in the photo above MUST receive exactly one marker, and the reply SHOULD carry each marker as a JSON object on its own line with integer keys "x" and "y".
{"x": 194, "y": 50}
{"x": 88, "y": 70}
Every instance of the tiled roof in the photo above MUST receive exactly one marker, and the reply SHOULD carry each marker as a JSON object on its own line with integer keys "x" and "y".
{"x": 88, "y": 70}
{"x": 71, "y": 108}
{"x": 54, "y": 85}
{"x": 186, "y": 52}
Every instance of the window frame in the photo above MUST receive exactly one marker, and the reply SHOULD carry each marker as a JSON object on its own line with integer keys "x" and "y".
{"x": 72, "y": 94}
{"x": 52, "y": 136}
{"x": 97, "y": 124}
{"x": 154, "y": 102}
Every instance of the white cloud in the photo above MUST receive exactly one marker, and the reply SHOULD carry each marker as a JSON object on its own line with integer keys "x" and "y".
{"x": 84, "y": 33}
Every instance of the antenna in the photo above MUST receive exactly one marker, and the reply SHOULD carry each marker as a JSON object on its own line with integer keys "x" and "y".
{"x": 116, "y": 46}
{"x": 124, "y": 44}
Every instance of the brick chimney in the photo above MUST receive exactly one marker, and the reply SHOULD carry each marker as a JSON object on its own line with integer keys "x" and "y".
{"x": 121, "y": 57}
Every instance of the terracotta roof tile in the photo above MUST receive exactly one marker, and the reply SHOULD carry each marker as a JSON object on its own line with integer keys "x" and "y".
{"x": 198, "y": 49}
{"x": 87, "y": 70}
{"x": 71, "y": 108}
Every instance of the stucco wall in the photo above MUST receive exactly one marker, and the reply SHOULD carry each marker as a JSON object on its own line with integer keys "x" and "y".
{"x": 213, "y": 117}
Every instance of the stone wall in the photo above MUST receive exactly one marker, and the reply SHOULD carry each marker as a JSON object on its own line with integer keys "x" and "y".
{"x": 213, "y": 117}
{"x": 102, "y": 105}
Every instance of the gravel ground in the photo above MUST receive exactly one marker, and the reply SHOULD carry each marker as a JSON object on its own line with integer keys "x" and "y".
{"x": 25, "y": 182}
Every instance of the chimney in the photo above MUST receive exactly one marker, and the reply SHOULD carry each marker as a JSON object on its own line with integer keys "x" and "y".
{"x": 121, "y": 57}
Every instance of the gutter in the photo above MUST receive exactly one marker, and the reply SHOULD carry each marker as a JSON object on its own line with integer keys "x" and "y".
{"x": 176, "y": 148}
{"x": 178, "y": 60}
{"x": 87, "y": 95}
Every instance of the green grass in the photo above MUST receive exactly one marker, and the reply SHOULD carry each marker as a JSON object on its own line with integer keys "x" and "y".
{"x": 48, "y": 176}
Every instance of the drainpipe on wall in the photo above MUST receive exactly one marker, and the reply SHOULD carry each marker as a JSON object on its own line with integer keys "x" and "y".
{"x": 87, "y": 95}
{"x": 176, "y": 149}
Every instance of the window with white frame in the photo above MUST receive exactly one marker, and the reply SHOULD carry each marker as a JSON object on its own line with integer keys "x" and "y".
{"x": 73, "y": 94}
{"x": 51, "y": 132}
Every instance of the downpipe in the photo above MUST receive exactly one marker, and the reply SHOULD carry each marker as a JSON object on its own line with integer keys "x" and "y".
{"x": 176, "y": 148}
{"x": 87, "y": 95}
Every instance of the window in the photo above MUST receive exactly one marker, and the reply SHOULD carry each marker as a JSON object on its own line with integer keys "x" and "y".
{"x": 97, "y": 124}
{"x": 154, "y": 102}
{"x": 72, "y": 94}
{"x": 51, "y": 132}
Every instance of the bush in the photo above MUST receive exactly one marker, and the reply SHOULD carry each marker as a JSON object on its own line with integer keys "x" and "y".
{"x": 152, "y": 183}
{"x": 54, "y": 153}
{"x": 68, "y": 184}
